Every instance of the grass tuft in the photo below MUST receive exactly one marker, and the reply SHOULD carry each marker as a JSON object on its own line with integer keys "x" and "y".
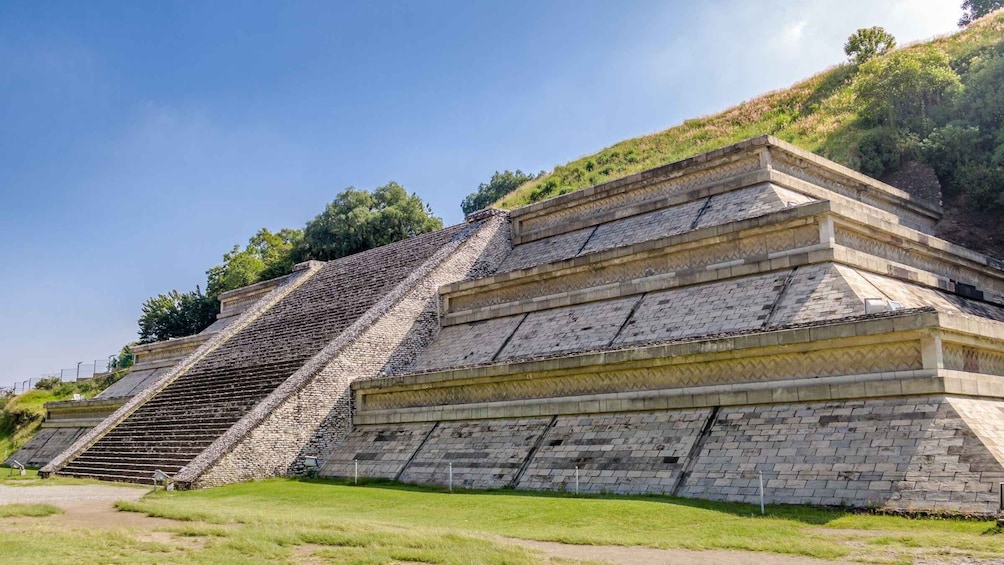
{"x": 30, "y": 510}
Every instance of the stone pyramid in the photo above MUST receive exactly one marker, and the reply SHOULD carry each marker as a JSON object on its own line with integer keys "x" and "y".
{"x": 755, "y": 310}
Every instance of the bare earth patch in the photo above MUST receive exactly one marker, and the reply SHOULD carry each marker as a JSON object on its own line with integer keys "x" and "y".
{"x": 86, "y": 506}
{"x": 621, "y": 555}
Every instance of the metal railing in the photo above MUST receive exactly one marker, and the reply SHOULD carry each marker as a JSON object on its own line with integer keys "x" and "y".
{"x": 83, "y": 370}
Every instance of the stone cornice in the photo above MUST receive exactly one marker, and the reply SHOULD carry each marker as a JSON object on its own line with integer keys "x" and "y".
{"x": 904, "y": 353}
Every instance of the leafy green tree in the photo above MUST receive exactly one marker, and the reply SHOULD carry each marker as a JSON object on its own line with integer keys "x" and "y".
{"x": 358, "y": 220}
{"x": 124, "y": 359}
{"x": 973, "y": 10}
{"x": 267, "y": 255}
{"x": 867, "y": 42}
{"x": 176, "y": 314}
{"x": 982, "y": 103}
{"x": 500, "y": 184}
{"x": 903, "y": 90}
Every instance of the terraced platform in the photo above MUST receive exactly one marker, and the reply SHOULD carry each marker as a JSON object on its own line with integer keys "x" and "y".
{"x": 755, "y": 310}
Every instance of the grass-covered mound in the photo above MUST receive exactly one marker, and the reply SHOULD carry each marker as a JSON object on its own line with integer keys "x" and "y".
{"x": 21, "y": 415}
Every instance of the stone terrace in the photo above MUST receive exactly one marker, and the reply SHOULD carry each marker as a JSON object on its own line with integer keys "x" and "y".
{"x": 753, "y": 309}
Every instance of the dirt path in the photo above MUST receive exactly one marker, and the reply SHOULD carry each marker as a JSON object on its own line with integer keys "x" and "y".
{"x": 86, "y": 506}
{"x": 621, "y": 555}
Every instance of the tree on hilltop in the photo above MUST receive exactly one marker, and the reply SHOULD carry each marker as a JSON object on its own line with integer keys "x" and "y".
{"x": 176, "y": 314}
{"x": 500, "y": 184}
{"x": 266, "y": 256}
{"x": 866, "y": 43}
{"x": 358, "y": 220}
{"x": 973, "y": 10}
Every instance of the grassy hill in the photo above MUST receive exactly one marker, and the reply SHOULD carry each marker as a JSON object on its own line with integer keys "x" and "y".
{"x": 21, "y": 415}
{"x": 863, "y": 116}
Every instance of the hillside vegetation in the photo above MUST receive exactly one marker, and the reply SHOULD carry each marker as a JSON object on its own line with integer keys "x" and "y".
{"x": 939, "y": 103}
{"x": 21, "y": 415}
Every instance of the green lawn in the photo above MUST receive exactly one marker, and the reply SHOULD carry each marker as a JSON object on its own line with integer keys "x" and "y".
{"x": 287, "y": 521}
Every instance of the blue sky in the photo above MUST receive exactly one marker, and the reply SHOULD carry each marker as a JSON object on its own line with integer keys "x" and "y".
{"x": 139, "y": 141}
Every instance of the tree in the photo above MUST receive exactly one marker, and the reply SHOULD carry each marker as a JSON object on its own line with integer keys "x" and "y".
{"x": 902, "y": 89}
{"x": 358, "y": 220}
{"x": 973, "y": 10}
{"x": 125, "y": 359}
{"x": 500, "y": 184}
{"x": 176, "y": 314}
{"x": 866, "y": 43}
{"x": 267, "y": 255}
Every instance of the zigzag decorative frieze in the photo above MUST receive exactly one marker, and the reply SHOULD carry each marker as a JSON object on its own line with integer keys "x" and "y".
{"x": 973, "y": 359}
{"x": 883, "y": 357}
{"x": 905, "y": 256}
{"x": 791, "y": 165}
{"x": 641, "y": 194}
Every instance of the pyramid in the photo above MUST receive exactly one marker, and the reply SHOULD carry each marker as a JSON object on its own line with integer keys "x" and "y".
{"x": 755, "y": 311}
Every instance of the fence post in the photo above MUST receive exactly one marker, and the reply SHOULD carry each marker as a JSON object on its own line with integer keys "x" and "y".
{"x": 761, "y": 493}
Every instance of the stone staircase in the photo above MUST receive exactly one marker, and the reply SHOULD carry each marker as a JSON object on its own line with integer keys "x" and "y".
{"x": 183, "y": 419}
{"x": 176, "y": 425}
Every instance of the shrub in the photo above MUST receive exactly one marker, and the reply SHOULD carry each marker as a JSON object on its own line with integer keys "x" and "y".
{"x": 48, "y": 383}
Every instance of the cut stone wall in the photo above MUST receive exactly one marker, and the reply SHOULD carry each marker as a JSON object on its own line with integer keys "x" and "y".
{"x": 381, "y": 451}
{"x": 632, "y": 453}
{"x": 623, "y": 230}
{"x": 484, "y": 454}
{"x": 726, "y": 306}
{"x": 468, "y": 344}
{"x": 46, "y": 444}
{"x": 917, "y": 454}
{"x": 911, "y": 454}
{"x": 576, "y": 328}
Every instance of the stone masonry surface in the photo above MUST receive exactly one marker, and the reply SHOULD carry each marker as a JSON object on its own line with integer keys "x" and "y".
{"x": 748, "y": 203}
{"x": 807, "y": 294}
{"x": 728, "y": 207}
{"x": 310, "y": 412}
{"x": 176, "y": 425}
{"x": 727, "y": 306}
{"x": 46, "y": 444}
{"x": 924, "y": 454}
{"x": 900, "y": 453}
{"x": 575, "y": 328}
{"x": 381, "y": 451}
{"x": 468, "y": 344}
{"x": 484, "y": 454}
{"x": 635, "y": 453}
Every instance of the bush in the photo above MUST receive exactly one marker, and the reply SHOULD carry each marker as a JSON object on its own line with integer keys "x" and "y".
{"x": 500, "y": 185}
{"x": 48, "y": 383}
{"x": 883, "y": 150}
{"x": 905, "y": 88}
